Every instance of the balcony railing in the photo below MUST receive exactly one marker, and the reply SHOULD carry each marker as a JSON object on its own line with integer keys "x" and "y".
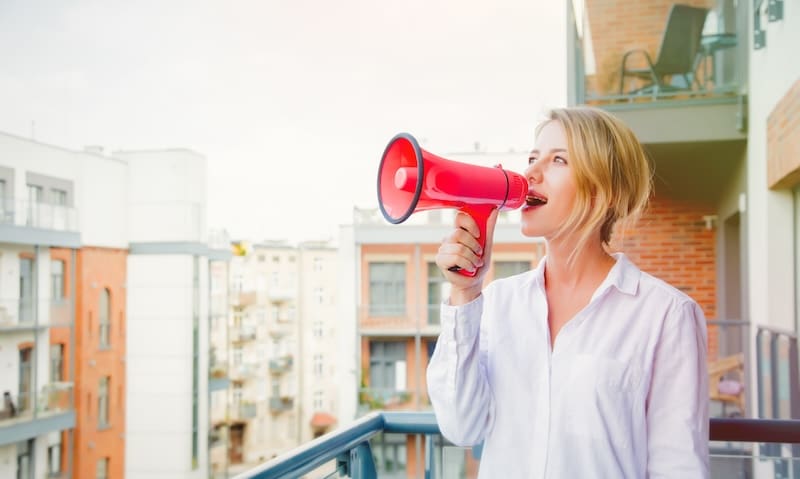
{"x": 347, "y": 451}
{"x": 280, "y": 404}
{"x": 604, "y": 39}
{"x": 26, "y": 406}
{"x": 281, "y": 365}
{"x": 29, "y": 313}
{"x": 18, "y": 212}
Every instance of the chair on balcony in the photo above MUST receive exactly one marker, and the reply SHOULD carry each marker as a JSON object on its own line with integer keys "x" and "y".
{"x": 726, "y": 381}
{"x": 677, "y": 59}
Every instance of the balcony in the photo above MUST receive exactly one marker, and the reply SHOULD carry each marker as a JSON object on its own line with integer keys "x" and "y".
{"x": 244, "y": 411}
{"x": 681, "y": 88}
{"x": 349, "y": 451}
{"x": 243, "y": 299}
{"x": 243, "y": 332}
{"x": 243, "y": 372}
{"x": 281, "y": 295}
{"x": 32, "y": 223}
{"x": 28, "y": 415}
{"x": 278, "y": 404}
{"x": 281, "y": 364}
{"x": 28, "y": 314}
{"x": 397, "y": 320}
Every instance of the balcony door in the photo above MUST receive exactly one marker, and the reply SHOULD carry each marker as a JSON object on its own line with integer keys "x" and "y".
{"x": 25, "y": 378}
{"x": 26, "y": 290}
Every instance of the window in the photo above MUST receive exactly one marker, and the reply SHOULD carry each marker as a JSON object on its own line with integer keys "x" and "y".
{"x": 105, "y": 317}
{"x": 387, "y": 289}
{"x": 318, "y": 328}
{"x": 504, "y": 269}
{"x": 34, "y": 200}
{"x": 58, "y": 197}
{"x": 319, "y": 295}
{"x": 54, "y": 454}
{"x": 318, "y": 365}
{"x": 56, "y": 363}
{"x": 387, "y": 368}
{"x": 438, "y": 290}
{"x": 25, "y": 459}
{"x": 25, "y": 379}
{"x": 102, "y": 468}
{"x": 57, "y": 280}
{"x": 318, "y": 400}
{"x": 102, "y": 402}
{"x": 317, "y": 264}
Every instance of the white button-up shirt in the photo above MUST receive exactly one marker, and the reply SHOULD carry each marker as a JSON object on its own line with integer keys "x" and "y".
{"x": 622, "y": 394}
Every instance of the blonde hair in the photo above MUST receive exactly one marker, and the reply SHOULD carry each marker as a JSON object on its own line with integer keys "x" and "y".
{"x": 612, "y": 172}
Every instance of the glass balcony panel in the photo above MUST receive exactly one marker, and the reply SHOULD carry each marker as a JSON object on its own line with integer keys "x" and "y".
{"x": 18, "y": 212}
{"x": 22, "y": 406}
{"x": 19, "y": 313}
{"x": 631, "y": 56}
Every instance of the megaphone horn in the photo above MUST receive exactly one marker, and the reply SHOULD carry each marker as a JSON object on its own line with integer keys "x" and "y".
{"x": 411, "y": 179}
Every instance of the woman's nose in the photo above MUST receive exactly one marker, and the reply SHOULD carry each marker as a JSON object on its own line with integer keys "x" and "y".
{"x": 534, "y": 172}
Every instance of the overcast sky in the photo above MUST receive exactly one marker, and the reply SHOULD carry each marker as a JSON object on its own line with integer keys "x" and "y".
{"x": 291, "y": 101}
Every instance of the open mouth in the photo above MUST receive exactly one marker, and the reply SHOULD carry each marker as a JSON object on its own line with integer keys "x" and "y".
{"x": 534, "y": 199}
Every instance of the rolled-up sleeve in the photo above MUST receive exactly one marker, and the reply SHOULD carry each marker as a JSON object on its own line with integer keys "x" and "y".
{"x": 677, "y": 403}
{"x": 457, "y": 375}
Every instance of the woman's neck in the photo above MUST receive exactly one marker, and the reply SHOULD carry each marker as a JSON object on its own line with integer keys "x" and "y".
{"x": 589, "y": 266}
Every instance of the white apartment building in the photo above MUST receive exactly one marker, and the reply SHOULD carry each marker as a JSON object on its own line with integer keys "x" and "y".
{"x": 278, "y": 347}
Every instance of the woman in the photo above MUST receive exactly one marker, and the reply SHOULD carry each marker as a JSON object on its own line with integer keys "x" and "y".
{"x": 585, "y": 366}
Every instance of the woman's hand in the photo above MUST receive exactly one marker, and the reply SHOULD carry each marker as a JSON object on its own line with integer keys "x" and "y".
{"x": 461, "y": 249}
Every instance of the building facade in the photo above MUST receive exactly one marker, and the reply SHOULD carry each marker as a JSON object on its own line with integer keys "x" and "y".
{"x": 278, "y": 344}
{"x": 104, "y": 272}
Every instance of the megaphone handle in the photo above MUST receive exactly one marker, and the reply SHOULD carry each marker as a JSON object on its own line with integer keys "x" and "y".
{"x": 480, "y": 214}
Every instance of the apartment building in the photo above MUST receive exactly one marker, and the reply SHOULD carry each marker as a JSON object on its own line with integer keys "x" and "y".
{"x": 278, "y": 341}
{"x": 719, "y": 112}
{"x": 102, "y": 286}
{"x": 63, "y": 268}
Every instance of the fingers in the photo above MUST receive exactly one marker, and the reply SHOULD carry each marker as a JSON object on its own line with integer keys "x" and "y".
{"x": 461, "y": 249}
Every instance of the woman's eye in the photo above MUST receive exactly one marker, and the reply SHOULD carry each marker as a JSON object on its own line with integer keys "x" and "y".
{"x": 531, "y": 160}
{"x": 560, "y": 159}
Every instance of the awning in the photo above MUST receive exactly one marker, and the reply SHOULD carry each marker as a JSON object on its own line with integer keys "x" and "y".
{"x": 322, "y": 420}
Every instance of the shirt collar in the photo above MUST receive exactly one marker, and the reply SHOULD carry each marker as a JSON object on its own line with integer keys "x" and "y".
{"x": 624, "y": 275}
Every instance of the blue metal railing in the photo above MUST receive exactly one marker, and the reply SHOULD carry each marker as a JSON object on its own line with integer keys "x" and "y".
{"x": 349, "y": 446}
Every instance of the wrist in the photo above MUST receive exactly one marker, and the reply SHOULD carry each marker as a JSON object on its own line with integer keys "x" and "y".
{"x": 460, "y": 296}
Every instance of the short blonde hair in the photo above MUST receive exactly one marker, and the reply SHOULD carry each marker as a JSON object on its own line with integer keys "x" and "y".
{"x": 612, "y": 172}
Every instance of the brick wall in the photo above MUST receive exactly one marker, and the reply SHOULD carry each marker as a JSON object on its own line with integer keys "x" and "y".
{"x": 783, "y": 141}
{"x": 620, "y": 25}
{"x": 672, "y": 242}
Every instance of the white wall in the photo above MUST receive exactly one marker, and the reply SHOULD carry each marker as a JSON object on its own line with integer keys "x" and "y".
{"x": 159, "y": 368}
{"x": 167, "y": 195}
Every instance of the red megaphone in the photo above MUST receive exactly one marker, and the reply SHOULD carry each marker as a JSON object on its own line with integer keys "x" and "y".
{"x": 411, "y": 179}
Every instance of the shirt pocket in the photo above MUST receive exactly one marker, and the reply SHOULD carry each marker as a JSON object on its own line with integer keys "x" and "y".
{"x": 603, "y": 399}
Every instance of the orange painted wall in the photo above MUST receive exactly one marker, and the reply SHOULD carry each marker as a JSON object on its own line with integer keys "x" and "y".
{"x": 100, "y": 268}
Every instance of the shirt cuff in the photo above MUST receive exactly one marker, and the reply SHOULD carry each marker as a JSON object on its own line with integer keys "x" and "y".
{"x": 460, "y": 324}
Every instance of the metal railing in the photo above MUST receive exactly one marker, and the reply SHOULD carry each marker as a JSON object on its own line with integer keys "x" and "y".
{"x": 348, "y": 453}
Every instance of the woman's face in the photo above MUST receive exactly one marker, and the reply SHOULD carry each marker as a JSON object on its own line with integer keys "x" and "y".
{"x": 551, "y": 184}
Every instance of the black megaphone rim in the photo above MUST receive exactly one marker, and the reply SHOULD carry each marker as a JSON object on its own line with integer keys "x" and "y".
{"x": 420, "y": 177}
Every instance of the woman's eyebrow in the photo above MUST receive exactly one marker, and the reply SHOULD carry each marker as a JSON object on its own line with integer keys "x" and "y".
{"x": 554, "y": 150}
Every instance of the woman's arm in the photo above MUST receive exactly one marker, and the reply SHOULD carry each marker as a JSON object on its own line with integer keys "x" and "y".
{"x": 677, "y": 402}
{"x": 457, "y": 375}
